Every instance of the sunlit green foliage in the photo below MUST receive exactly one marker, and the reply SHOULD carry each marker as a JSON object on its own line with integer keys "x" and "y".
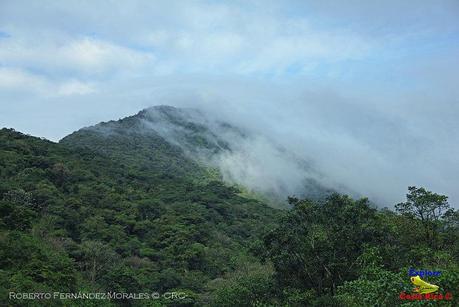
{"x": 105, "y": 224}
{"x": 113, "y": 212}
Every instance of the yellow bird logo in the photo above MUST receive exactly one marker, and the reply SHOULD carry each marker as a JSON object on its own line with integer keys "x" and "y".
{"x": 422, "y": 286}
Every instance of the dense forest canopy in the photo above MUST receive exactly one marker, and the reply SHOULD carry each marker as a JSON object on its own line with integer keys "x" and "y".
{"x": 82, "y": 218}
{"x": 229, "y": 153}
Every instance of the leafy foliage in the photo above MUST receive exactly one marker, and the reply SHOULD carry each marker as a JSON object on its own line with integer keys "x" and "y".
{"x": 112, "y": 210}
{"x": 105, "y": 224}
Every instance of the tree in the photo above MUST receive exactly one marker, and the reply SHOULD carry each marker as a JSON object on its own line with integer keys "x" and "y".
{"x": 376, "y": 286}
{"x": 451, "y": 232}
{"x": 249, "y": 285}
{"x": 317, "y": 244}
{"x": 60, "y": 174}
{"x": 97, "y": 260}
{"x": 17, "y": 210}
{"x": 428, "y": 207}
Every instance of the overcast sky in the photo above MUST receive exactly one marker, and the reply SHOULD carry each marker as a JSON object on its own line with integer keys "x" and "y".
{"x": 368, "y": 89}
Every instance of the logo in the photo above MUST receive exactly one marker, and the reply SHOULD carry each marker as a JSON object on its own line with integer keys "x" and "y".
{"x": 424, "y": 290}
{"x": 423, "y": 273}
{"x": 422, "y": 286}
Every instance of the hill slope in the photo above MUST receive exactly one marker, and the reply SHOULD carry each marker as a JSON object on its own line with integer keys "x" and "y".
{"x": 249, "y": 160}
{"x": 75, "y": 219}
{"x": 133, "y": 211}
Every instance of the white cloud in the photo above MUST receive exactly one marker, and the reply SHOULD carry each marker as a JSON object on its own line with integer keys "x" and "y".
{"x": 82, "y": 56}
{"x": 75, "y": 87}
{"x": 23, "y": 83}
{"x": 271, "y": 65}
{"x": 18, "y": 79}
{"x": 92, "y": 55}
{"x": 262, "y": 44}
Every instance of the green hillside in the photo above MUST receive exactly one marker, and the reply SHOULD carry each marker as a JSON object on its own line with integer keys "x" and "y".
{"x": 137, "y": 147}
{"x": 168, "y": 141}
{"x": 126, "y": 207}
{"x": 75, "y": 219}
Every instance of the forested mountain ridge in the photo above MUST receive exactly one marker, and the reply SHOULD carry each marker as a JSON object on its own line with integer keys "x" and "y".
{"x": 74, "y": 220}
{"x": 130, "y": 206}
{"x": 161, "y": 138}
{"x": 129, "y": 141}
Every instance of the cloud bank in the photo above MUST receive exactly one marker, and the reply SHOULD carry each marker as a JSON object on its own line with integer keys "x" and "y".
{"x": 366, "y": 90}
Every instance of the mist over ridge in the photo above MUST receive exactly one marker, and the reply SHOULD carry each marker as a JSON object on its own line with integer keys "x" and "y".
{"x": 369, "y": 144}
{"x": 264, "y": 149}
{"x": 365, "y": 92}
{"x": 244, "y": 157}
{"x": 229, "y": 153}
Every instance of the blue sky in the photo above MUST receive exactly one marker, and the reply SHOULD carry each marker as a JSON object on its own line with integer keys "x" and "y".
{"x": 373, "y": 80}
{"x": 86, "y": 42}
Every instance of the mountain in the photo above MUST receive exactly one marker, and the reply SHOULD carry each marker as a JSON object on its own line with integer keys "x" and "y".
{"x": 143, "y": 203}
{"x": 121, "y": 210}
{"x": 167, "y": 202}
{"x": 255, "y": 163}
